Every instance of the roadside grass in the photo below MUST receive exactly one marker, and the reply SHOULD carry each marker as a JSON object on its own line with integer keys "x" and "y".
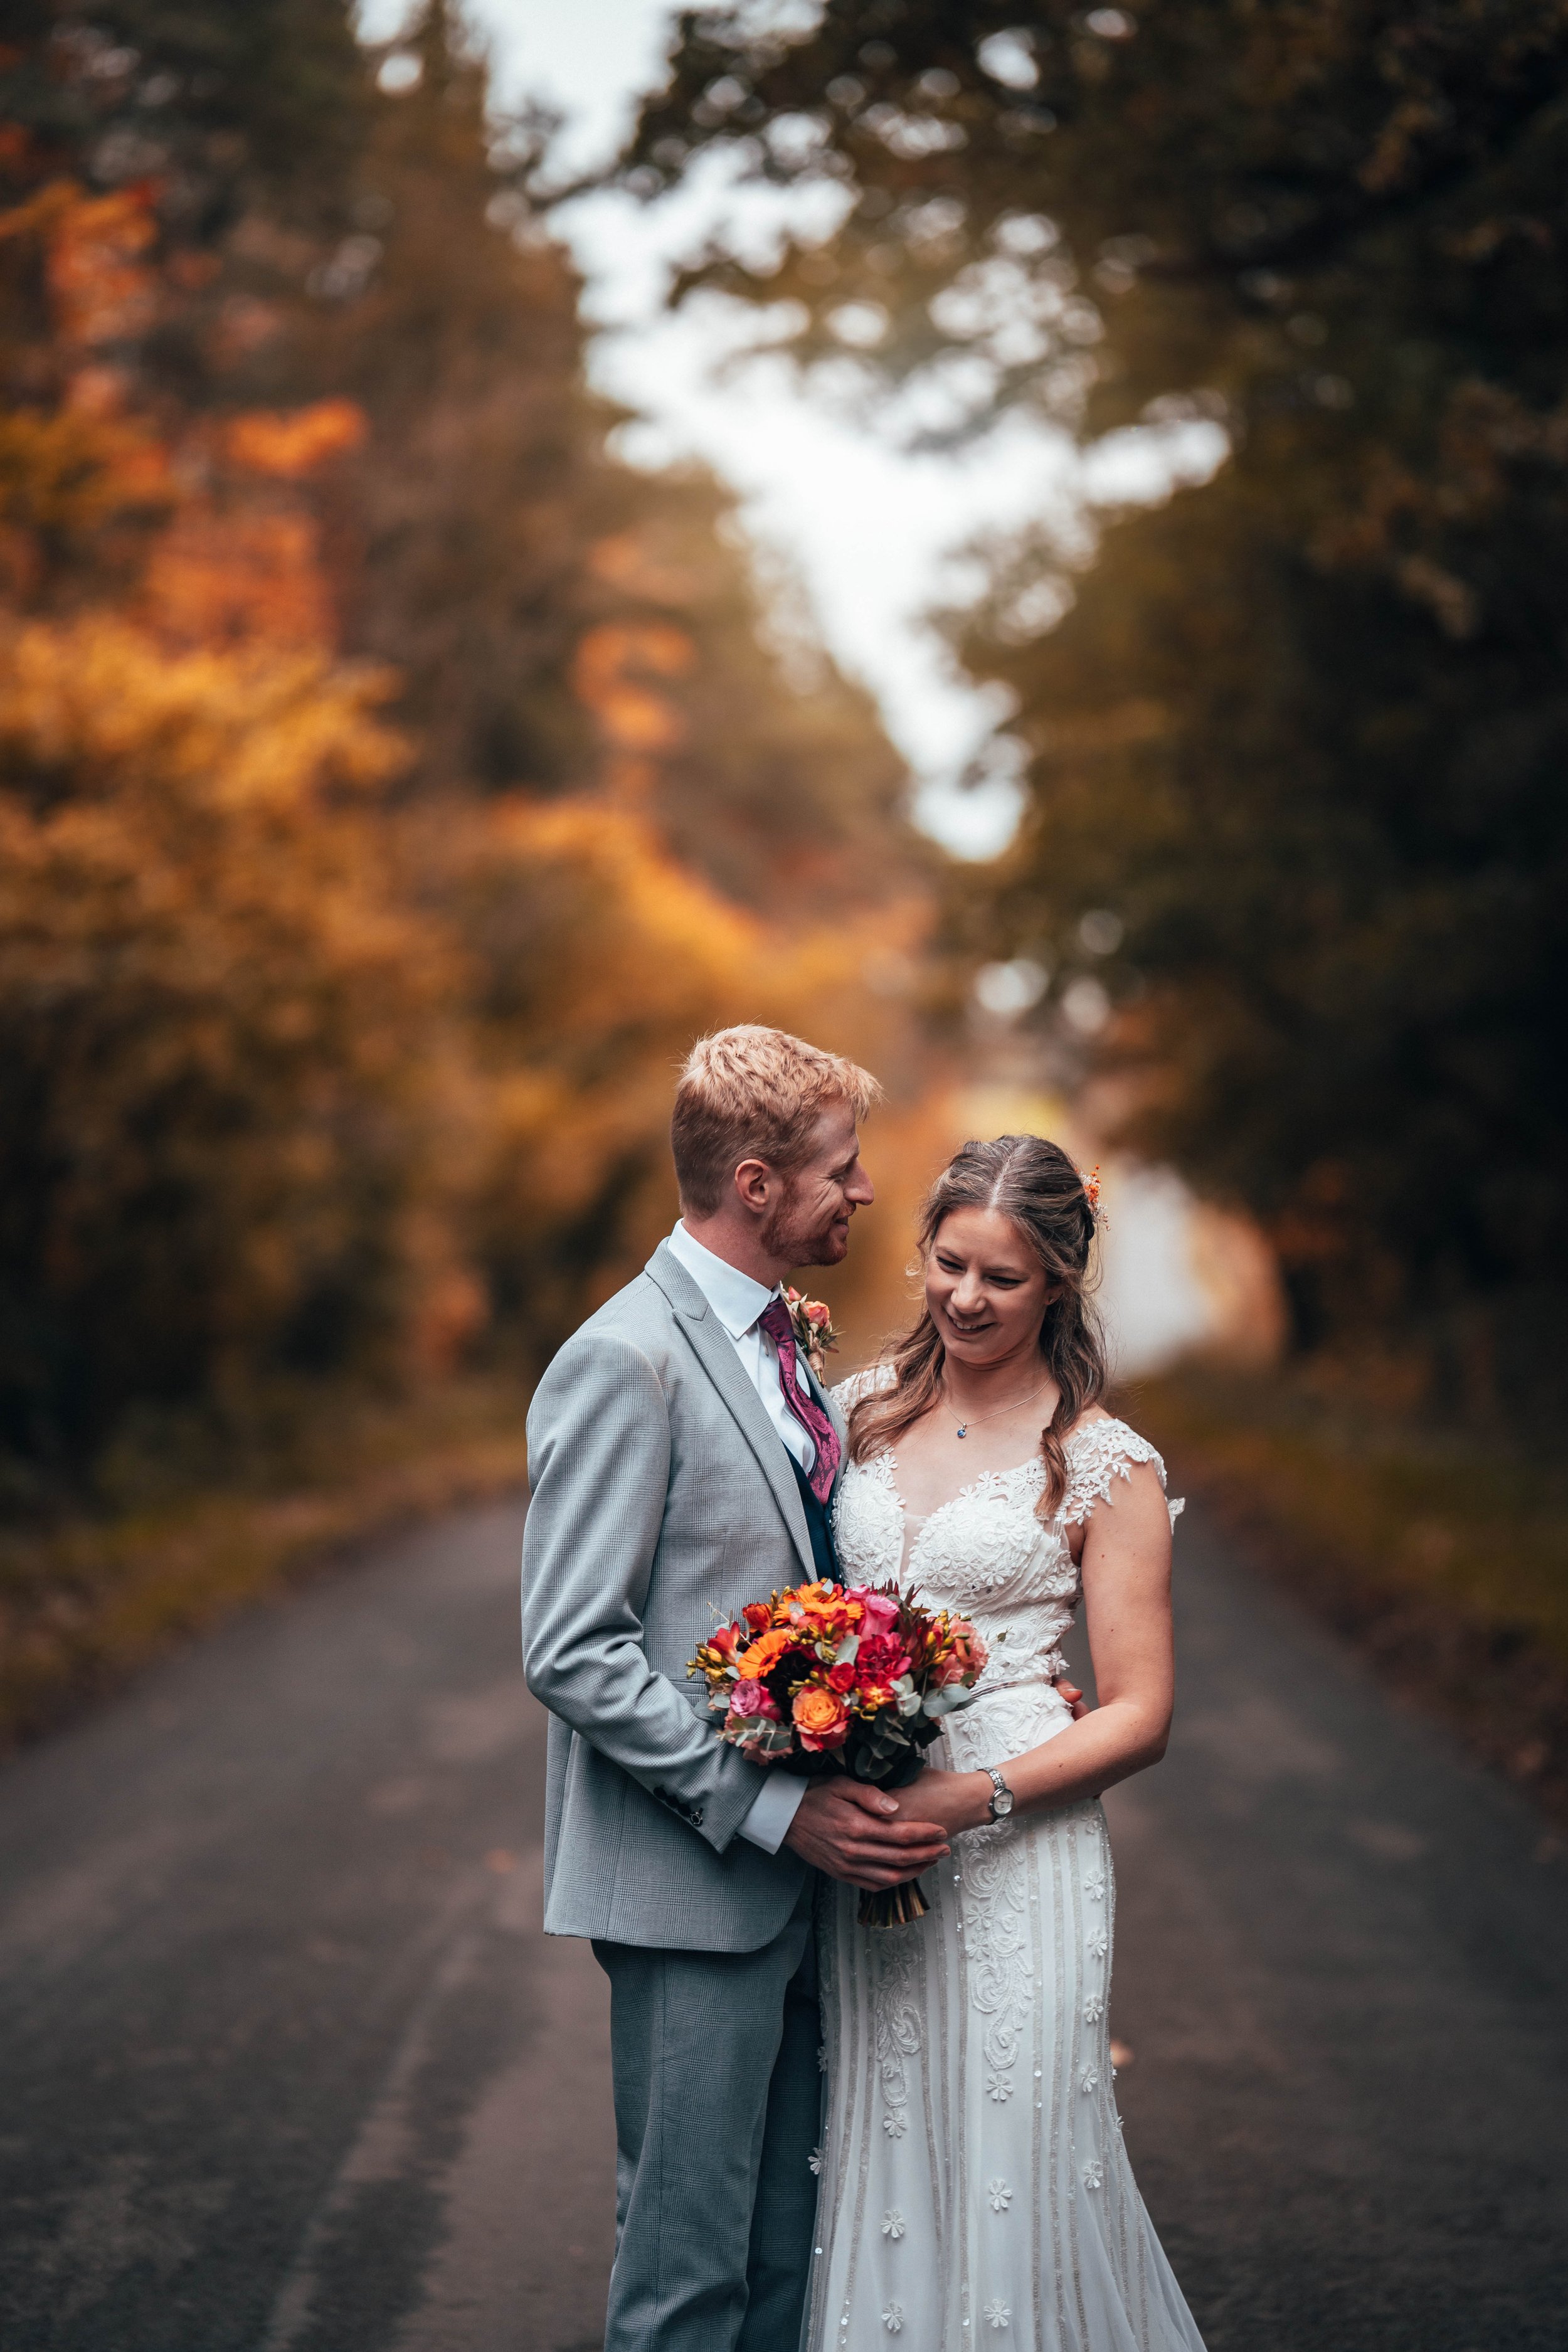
{"x": 1444, "y": 1557}
{"x": 86, "y": 1598}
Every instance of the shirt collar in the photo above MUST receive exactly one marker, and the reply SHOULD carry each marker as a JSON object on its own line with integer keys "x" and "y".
{"x": 734, "y": 1297}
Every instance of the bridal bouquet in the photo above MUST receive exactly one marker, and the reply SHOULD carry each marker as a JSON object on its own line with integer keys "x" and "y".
{"x": 847, "y": 1678}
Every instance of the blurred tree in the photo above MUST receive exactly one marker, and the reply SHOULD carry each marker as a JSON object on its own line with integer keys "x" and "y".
{"x": 600, "y": 955}
{"x": 1301, "y": 734}
{"x": 560, "y": 617}
{"x": 221, "y": 1050}
{"x": 339, "y": 1001}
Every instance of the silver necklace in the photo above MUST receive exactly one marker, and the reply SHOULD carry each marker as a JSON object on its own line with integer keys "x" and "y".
{"x": 974, "y": 1419}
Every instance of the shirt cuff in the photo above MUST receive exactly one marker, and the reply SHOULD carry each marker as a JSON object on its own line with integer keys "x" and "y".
{"x": 773, "y": 1809}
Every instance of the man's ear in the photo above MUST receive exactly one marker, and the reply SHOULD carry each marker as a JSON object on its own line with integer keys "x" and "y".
{"x": 752, "y": 1179}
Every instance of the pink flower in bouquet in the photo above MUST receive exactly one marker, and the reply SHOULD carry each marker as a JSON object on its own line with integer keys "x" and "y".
{"x": 881, "y": 1658}
{"x": 966, "y": 1660}
{"x": 881, "y": 1609}
{"x": 751, "y": 1698}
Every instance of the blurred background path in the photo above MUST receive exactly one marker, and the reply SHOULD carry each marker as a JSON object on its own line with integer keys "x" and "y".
{"x": 289, "y": 2066}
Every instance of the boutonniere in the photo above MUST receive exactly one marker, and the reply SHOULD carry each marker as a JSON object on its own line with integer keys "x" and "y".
{"x": 812, "y": 1326}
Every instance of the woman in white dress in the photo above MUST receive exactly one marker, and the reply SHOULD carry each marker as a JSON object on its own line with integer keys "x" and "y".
{"x": 974, "y": 2186}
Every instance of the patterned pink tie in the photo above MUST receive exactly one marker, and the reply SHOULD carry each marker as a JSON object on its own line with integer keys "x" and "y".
{"x": 774, "y": 1321}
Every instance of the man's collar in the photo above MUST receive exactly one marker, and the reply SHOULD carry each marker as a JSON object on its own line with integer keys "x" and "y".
{"x": 736, "y": 1299}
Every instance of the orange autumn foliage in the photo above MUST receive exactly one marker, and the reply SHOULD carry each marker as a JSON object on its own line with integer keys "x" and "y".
{"x": 219, "y": 1029}
{"x": 218, "y": 577}
{"x": 391, "y": 785}
{"x": 292, "y": 444}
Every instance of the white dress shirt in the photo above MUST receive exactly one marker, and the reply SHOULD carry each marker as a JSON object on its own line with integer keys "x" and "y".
{"x": 738, "y": 1301}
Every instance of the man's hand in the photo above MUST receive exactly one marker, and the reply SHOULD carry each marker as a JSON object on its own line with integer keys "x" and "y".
{"x": 1074, "y": 1698}
{"x": 854, "y": 1832}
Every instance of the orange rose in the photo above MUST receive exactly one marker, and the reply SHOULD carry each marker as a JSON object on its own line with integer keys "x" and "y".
{"x": 757, "y": 1615}
{"x": 820, "y": 1717}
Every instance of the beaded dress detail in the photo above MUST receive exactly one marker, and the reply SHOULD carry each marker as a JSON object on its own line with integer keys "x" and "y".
{"x": 974, "y": 2186}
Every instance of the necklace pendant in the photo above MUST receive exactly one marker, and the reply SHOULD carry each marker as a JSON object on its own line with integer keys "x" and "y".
{"x": 963, "y": 1431}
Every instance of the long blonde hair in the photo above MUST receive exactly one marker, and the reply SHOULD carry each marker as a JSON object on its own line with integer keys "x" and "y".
{"x": 1036, "y": 1185}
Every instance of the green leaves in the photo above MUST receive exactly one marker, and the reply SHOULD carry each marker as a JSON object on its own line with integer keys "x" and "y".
{"x": 1302, "y": 729}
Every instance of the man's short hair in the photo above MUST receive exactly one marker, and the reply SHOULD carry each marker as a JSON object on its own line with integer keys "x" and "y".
{"x": 751, "y": 1092}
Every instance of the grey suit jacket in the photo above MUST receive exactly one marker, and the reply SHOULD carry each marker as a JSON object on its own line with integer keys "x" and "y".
{"x": 663, "y": 1499}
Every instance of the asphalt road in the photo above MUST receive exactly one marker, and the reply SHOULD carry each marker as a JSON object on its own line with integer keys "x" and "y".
{"x": 288, "y": 2066}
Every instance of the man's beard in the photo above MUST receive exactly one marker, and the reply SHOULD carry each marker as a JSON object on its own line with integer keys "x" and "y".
{"x": 794, "y": 1240}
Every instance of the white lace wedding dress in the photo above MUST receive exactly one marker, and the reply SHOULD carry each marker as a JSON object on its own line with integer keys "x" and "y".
{"x": 974, "y": 2186}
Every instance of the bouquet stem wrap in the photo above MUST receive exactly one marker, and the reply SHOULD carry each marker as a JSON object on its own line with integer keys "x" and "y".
{"x": 893, "y": 1907}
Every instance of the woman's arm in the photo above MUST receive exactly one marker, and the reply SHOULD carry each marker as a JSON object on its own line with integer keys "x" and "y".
{"x": 1127, "y": 1612}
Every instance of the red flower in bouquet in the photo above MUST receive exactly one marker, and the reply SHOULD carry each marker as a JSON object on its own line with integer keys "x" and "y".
{"x": 880, "y": 1659}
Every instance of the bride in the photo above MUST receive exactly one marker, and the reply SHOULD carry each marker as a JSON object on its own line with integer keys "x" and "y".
{"x": 974, "y": 2182}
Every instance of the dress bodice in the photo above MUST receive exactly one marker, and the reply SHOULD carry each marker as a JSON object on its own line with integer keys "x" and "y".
{"x": 985, "y": 1552}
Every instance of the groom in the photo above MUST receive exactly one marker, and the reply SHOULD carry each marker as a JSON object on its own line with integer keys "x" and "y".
{"x": 683, "y": 1459}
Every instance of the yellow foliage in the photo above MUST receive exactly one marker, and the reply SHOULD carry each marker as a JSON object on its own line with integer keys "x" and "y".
{"x": 597, "y": 957}
{"x": 219, "y": 1025}
{"x": 299, "y": 1072}
{"x": 72, "y": 470}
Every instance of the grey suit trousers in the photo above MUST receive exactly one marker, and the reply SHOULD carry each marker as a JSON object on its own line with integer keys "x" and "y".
{"x": 718, "y": 2108}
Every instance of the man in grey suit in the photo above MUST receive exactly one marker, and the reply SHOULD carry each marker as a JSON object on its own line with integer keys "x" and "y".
{"x": 682, "y": 1459}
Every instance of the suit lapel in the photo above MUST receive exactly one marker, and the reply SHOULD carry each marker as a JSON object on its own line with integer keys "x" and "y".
{"x": 715, "y": 1351}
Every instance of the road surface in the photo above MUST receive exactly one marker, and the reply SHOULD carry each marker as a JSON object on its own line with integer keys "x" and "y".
{"x": 288, "y": 2066}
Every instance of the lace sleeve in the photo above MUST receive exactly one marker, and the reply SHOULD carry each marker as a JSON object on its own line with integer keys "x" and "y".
{"x": 1098, "y": 1453}
{"x": 848, "y": 1392}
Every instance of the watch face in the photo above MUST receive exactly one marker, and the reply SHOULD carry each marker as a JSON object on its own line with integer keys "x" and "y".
{"x": 1004, "y": 1801}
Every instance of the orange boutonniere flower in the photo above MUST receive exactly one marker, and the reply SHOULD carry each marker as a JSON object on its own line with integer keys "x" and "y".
{"x": 814, "y": 1333}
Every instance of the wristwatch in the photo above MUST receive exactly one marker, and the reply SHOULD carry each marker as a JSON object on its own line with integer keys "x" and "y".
{"x": 1001, "y": 1804}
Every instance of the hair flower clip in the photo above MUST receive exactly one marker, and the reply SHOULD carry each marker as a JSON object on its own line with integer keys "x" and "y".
{"x": 1091, "y": 1188}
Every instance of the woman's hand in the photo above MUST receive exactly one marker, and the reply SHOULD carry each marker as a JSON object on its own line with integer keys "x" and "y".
{"x": 955, "y": 1800}
{"x": 962, "y": 1801}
